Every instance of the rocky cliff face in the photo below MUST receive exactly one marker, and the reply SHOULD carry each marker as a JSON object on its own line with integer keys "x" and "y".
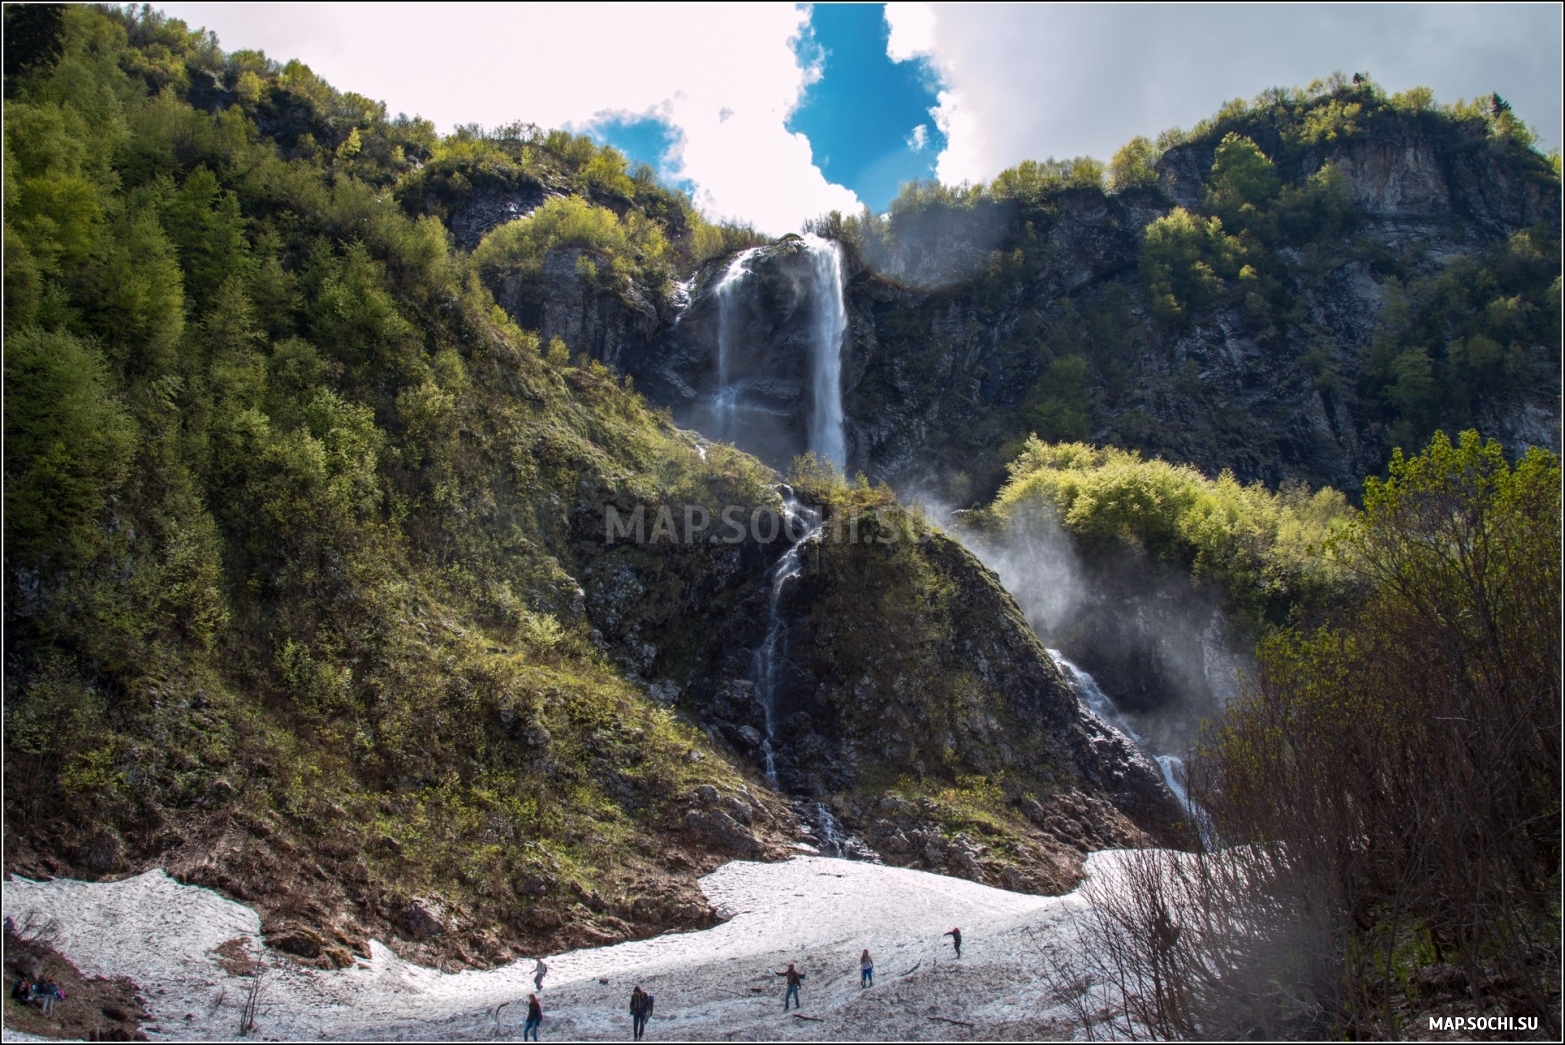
{"x": 971, "y": 325}
{"x": 946, "y": 371}
{"x": 914, "y": 715}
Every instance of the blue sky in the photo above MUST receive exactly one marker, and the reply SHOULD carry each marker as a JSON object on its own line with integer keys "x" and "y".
{"x": 869, "y": 118}
{"x": 775, "y": 113}
{"x": 648, "y": 138}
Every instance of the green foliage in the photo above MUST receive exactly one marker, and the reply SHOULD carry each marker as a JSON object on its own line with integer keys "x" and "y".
{"x": 708, "y": 241}
{"x": 1243, "y": 180}
{"x": 519, "y": 247}
{"x": 1031, "y": 181}
{"x": 1450, "y": 341}
{"x": 286, "y": 535}
{"x": 1185, "y": 261}
{"x": 1134, "y": 164}
{"x": 1269, "y": 552}
{"x": 1430, "y": 713}
{"x": 68, "y": 447}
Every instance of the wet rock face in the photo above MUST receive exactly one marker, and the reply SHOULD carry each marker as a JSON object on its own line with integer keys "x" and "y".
{"x": 765, "y": 323}
{"x": 913, "y": 691}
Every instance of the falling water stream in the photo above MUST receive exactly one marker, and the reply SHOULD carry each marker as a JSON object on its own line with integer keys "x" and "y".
{"x": 829, "y": 321}
{"x": 825, "y": 321}
{"x": 799, "y": 524}
{"x": 727, "y": 293}
{"x": 1172, "y": 767}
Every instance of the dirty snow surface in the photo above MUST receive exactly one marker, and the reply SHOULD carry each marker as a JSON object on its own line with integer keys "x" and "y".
{"x": 713, "y": 984}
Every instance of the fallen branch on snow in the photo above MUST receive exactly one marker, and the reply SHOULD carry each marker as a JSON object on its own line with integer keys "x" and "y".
{"x": 947, "y": 1019}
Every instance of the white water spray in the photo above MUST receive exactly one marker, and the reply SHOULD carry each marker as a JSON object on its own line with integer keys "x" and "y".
{"x": 1171, "y": 766}
{"x": 799, "y": 525}
{"x": 727, "y": 293}
{"x": 828, "y": 323}
{"x": 1092, "y": 695}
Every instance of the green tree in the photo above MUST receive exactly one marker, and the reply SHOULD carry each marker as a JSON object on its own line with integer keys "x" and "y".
{"x": 68, "y": 447}
{"x": 1134, "y": 164}
{"x": 1243, "y": 180}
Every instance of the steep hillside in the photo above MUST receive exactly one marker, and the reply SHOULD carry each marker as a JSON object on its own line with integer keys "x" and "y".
{"x": 312, "y": 586}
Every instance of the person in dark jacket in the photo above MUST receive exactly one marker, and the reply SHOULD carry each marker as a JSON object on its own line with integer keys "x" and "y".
{"x": 640, "y": 1012}
{"x": 534, "y": 1018}
{"x": 956, "y": 940}
{"x": 795, "y": 977}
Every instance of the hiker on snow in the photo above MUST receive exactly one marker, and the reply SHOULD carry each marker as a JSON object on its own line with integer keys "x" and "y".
{"x": 956, "y": 940}
{"x": 795, "y": 977}
{"x": 538, "y": 972}
{"x": 866, "y": 970}
{"x": 534, "y": 1017}
{"x": 640, "y": 1011}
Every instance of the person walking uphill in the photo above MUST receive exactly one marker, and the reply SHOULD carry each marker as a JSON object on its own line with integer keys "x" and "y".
{"x": 534, "y": 1018}
{"x": 541, "y": 968}
{"x": 956, "y": 940}
{"x": 640, "y": 1012}
{"x": 866, "y": 970}
{"x": 795, "y": 977}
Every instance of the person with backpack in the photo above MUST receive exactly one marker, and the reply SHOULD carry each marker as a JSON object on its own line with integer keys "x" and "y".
{"x": 538, "y": 971}
{"x": 534, "y": 1017}
{"x": 956, "y": 940}
{"x": 48, "y": 993}
{"x": 795, "y": 977}
{"x": 640, "y": 1012}
{"x": 866, "y": 970}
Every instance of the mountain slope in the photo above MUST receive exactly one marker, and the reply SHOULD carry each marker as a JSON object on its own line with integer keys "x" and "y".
{"x": 310, "y": 589}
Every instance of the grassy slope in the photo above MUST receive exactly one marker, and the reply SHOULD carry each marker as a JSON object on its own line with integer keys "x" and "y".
{"x": 307, "y": 627}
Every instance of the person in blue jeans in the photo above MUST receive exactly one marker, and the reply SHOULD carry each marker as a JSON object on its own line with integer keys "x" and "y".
{"x": 534, "y": 1018}
{"x": 795, "y": 977}
{"x": 866, "y": 970}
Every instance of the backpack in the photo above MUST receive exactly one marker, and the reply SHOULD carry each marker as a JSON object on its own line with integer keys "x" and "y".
{"x": 649, "y": 1006}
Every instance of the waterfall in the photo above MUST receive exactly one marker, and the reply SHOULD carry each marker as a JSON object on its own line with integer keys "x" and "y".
{"x": 1171, "y": 766}
{"x": 1092, "y": 695}
{"x": 829, "y": 321}
{"x": 727, "y": 291}
{"x": 799, "y": 524}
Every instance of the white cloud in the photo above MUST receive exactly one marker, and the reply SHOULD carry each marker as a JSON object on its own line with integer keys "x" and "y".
{"x": 912, "y": 31}
{"x": 919, "y": 138}
{"x": 724, "y": 75}
{"x": 1029, "y": 82}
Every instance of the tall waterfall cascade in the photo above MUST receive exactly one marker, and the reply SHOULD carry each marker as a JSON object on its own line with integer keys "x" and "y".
{"x": 829, "y": 323}
{"x": 799, "y": 523}
{"x": 727, "y": 293}
{"x": 780, "y": 323}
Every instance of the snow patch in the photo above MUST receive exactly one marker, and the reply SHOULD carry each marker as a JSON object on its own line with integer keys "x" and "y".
{"x": 814, "y": 911}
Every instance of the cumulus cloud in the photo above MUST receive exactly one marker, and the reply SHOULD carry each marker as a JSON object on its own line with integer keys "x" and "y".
{"x": 1029, "y": 82}
{"x": 912, "y": 31}
{"x": 724, "y": 77}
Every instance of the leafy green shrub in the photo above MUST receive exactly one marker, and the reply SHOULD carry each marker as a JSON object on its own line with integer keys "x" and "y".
{"x": 518, "y": 248}
{"x": 1268, "y": 551}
